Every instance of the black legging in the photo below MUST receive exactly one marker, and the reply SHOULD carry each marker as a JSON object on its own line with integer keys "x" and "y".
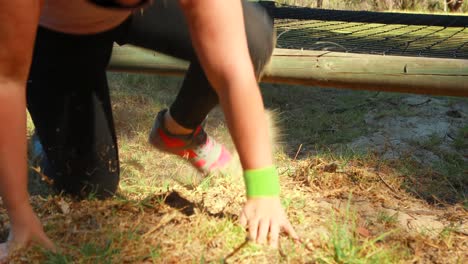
{"x": 68, "y": 97}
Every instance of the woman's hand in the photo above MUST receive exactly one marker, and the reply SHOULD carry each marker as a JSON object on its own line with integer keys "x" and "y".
{"x": 265, "y": 218}
{"x": 25, "y": 230}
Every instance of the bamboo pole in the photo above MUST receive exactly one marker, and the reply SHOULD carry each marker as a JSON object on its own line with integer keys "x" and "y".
{"x": 328, "y": 69}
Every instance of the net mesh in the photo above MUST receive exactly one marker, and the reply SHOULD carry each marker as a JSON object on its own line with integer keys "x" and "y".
{"x": 403, "y": 34}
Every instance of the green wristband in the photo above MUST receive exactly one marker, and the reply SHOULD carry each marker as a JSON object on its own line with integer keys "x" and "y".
{"x": 262, "y": 182}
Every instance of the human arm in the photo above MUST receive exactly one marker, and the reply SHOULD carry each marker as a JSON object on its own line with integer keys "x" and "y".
{"x": 17, "y": 31}
{"x": 218, "y": 35}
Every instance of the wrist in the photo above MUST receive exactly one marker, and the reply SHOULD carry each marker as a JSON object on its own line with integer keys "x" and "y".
{"x": 18, "y": 209}
{"x": 263, "y": 182}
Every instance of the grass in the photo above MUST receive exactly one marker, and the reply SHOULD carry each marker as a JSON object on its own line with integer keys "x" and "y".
{"x": 460, "y": 142}
{"x": 432, "y": 142}
{"x": 385, "y": 218}
{"x": 449, "y": 171}
{"x": 165, "y": 212}
{"x": 346, "y": 246}
{"x": 307, "y": 121}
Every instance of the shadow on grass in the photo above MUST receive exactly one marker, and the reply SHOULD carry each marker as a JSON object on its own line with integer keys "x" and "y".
{"x": 174, "y": 200}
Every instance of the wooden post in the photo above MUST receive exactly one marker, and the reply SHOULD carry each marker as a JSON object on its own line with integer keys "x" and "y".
{"x": 328, "y": 69}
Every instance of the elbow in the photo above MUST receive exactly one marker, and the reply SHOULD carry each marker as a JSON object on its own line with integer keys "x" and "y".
{"x": 188, "y": 4}
{"x": 14, "y": 70}
{"x": 185, "y": 3}
{"x": 15, "y": 61}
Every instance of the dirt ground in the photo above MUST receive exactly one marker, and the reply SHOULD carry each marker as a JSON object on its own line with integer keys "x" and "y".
{"x": 426, "y": 118}
{"x": 366, "y": 178}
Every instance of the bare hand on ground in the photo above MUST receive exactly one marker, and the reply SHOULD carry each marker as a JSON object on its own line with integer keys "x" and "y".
{"x": 265, "y": 218}
{"x": 25, "y": 229}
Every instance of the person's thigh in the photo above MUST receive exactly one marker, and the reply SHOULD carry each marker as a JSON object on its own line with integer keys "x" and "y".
{"x": 68, "y": 99}
{"x": 163, "y": 28}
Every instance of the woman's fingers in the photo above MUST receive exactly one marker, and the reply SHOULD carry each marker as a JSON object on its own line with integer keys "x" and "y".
{"x": 243, "y": 219}
{"x": 253, "y": 229}
{"x": 44, "y": 241}
{"x": 289, "y": 230}
{"x": 274, "y": 234}
{"x": 263, "y": 228}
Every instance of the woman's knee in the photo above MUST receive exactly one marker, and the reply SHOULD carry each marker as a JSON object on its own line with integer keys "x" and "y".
{"x": 92, "y": 176}
{"x": 260, "y": 35}
{"x": 99, "y": 186}
{"x": 102, "y": 189}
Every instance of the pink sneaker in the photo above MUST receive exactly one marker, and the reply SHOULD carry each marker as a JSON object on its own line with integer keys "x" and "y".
{"x": 201, "y": 150}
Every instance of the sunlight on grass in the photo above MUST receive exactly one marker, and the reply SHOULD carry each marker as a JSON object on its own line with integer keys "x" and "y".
{"x": 166, "y": 212}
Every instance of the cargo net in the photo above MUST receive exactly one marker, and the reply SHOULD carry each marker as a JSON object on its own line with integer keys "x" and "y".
{"x": 401, "y": 34}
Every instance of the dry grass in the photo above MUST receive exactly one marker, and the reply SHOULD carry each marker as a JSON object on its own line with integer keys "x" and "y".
{"x": 347, "y": 208}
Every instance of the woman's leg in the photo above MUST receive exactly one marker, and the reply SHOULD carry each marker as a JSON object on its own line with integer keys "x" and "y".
{"x": 162, "y": 27}
{"x": 68, "y": 99}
